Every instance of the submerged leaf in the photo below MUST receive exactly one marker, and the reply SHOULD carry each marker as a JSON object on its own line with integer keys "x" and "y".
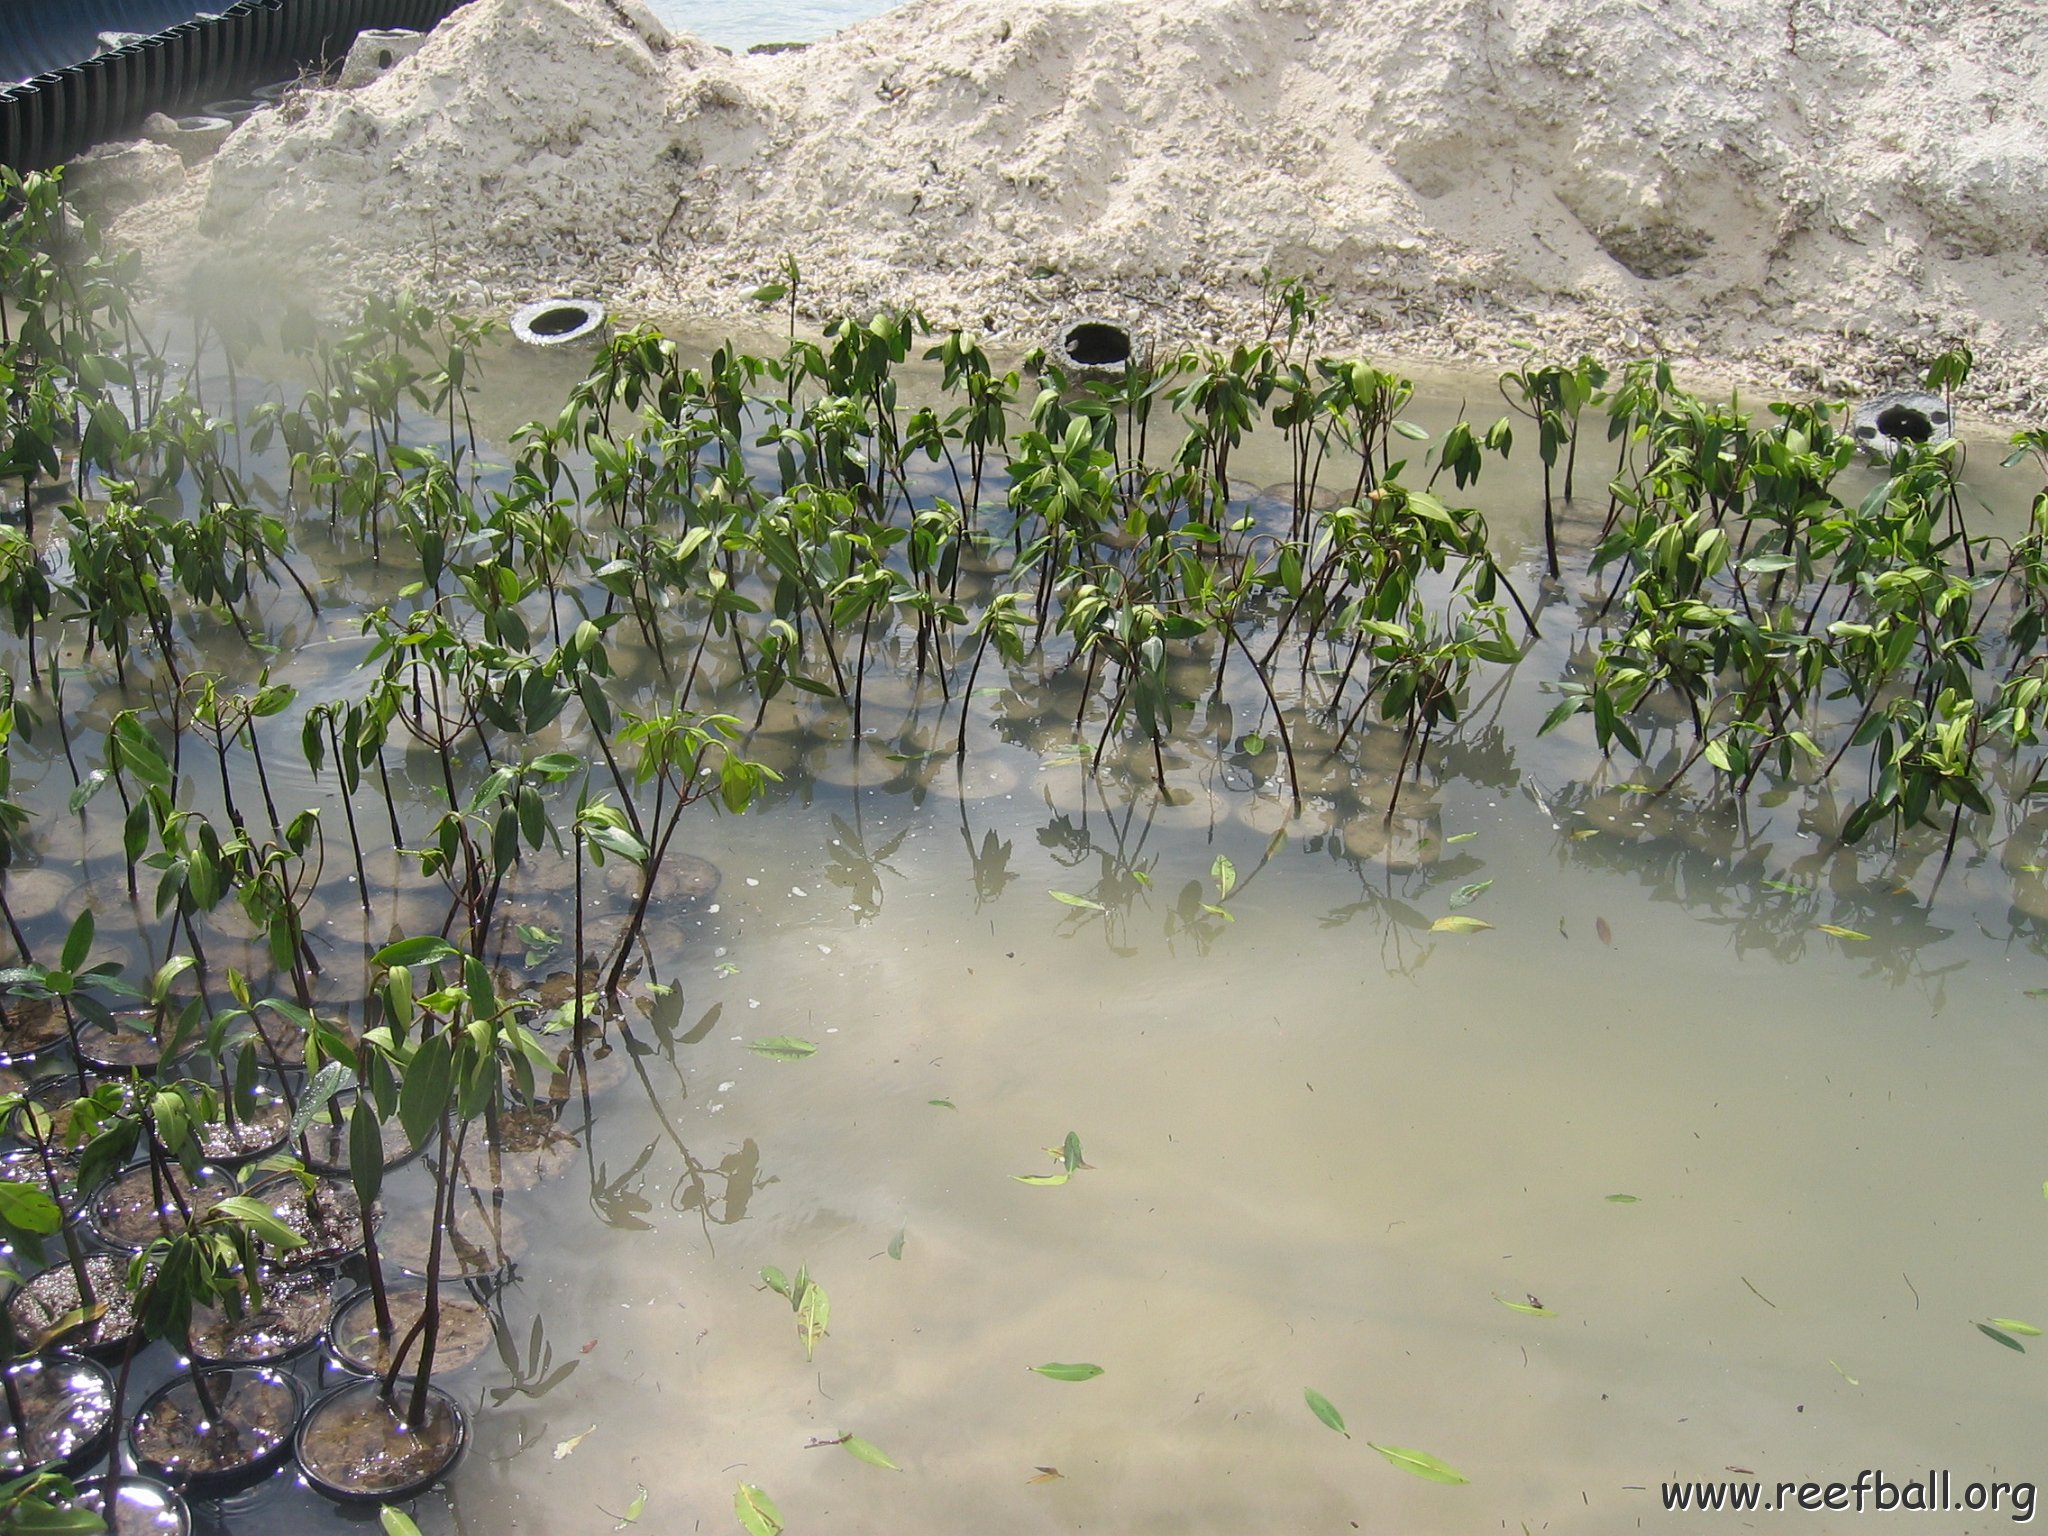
{"x": 869, "y": 1452}
{"x": 1621, "y": 1199}
{"x": 1606, "y": 933}
{"x": 1325, "y": 1410}
{"x": 1458, "y": 923}
{"x": 1045, "y": 1475}
{"x": 2006, "y": 1339}
{"x": 1068, "y": 898}
{"x": 564, "y": 1447}
{"x": 756, "y": 1512}
{"x": 1043, "y": 1179}
{"x": 942, "y": 1104}
{"x": 896, "y": 1246}
{"x": 1421, "y": 1463}
{"x": 1467, "y": 894}
{"x": 783, "y": 1048}
{"x": 1841, "y": 933}
{"x": 1059, "y": 1372}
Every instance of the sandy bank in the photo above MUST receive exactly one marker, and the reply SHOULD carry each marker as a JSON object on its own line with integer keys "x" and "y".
{"x": 1803, "y": 192}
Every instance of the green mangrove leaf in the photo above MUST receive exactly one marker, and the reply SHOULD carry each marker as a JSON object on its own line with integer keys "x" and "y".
{"x": 1996, "y": 1336}
{"x": 1459, "y": 923}
{"x": 869, "y": 1452}
{"x": 1621, "y": 1199}
{"x": 1069, "y": 899}
{"x": 1059, "y": 1372}
{"x": 942, "y": 1104}
{"x": 896, "y": 1245}
{"x": 1325, "y": 1410}
{"x": 396, "y": 1522}
{"x": 1845, "y": 1375}
{"x": 1531, "y": 1308}
{"x": 1070, "y": 1152}
{"x": 1043, "y": 1179}
{"x": 783, "y": 1048}
{"x": 1841, "y": 933}
{"x": 2014, "y": 1325}
{"x": 756, "y": 1512}
{"x": 1459, "y": 837}
{"x": 1467, "y": 894}
{"x": 1421, "y": 1463}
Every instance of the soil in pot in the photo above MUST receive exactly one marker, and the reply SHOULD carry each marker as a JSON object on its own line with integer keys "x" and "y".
{"x": 327, "y": 1150}
{"x": 53, "y": 1295}
{"x": 329, "y": 1218}
{"x": 530, "y": 1147}
{"x": 479, "y": 1242}
{"x": 30, "y": 1025}
{"x": 173, "y": 1437}
{"x": 258, "y": 1128}
{"x": 139, "y": 1506}
{"x": 128, "y": 1041}
{"x": 132, "y": 1209}
{"x": 291, "y": 1318}
{"x": 67, "y": 1412}
{"x": 355, "y": 1446}
{"x": 465, "y": 1330}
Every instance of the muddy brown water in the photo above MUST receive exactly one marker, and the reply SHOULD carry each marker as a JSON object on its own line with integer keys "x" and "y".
{"x": 1324, "y": 1143}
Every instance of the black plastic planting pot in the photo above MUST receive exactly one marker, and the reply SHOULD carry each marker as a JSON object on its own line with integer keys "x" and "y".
{"x": 67, "y": 1409}
{"x": 171, "y": 1436}
{"x": 356, "y": 1449}
{"x": 136, "y": 1506}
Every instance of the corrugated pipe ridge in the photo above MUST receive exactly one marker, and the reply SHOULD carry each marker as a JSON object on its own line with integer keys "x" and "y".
{"x": 48, "y": 119}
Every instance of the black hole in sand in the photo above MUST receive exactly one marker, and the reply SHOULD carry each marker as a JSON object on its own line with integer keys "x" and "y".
{"x": 1099, "y": 346}
{"x": 1866, "y": 432}
{"x": 1939, "y": 418}
{"x": 557, "y": 322}
{"x": 384, "y": 59}
{"x": 1903, "y": 424}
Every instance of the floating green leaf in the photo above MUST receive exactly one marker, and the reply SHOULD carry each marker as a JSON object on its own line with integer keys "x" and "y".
{"x": 756, "y": 1512}
{"x": 1529, "y": 1307}
{"x": 1467, "y": 894}
{"x": 1059, "y": 1372}
{"x": 1845, "y": 1375}
{"x": 942, "y": 1104}
{"x": 1459, "y": 923}
{"x": 783, "y": 1048}
{"x": 1325, "y": 1410}
{"x": 1070, "y": 1152}
{"x": 2006, "y": 1339}
{"x": 1068, "y": 898}
{"x": 1046, "y": 1180}
{"x": 396, "y": 1522}
{"x": 1421, "y": 1463}
{"x": 1842, "y": 933}
{"x": 869, "y": 1452}
{"x": 1224, "y": 873}
{"x": 896, "y": 1245}
{"x": 1621, "y": 1199}
{"x": 2014, "y": 1325}
{"x": 1460, "y": 837}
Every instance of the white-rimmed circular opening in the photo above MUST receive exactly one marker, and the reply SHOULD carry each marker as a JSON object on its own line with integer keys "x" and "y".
{"x": 554, "y": 322}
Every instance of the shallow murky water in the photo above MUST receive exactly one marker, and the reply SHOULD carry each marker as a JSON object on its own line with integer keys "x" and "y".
{"x": 1323, "y": 1144}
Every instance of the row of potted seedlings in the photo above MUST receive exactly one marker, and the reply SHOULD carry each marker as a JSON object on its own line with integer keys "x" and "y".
{"x": 206, "y": 1187}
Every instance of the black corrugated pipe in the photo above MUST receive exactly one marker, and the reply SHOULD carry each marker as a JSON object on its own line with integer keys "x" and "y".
{"x": 48, "y": 119}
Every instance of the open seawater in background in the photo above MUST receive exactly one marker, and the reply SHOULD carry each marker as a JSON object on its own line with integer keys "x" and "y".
{"x": 738, "y": 24}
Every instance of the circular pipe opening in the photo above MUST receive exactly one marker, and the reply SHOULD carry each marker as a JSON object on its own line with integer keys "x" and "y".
{"x": 558, "y": 321}
{"x": 551, "y": 322}
{"x": 1904, "y": 424}
{"x": 384, "y": 58}
{"x": 1097, "y": 344}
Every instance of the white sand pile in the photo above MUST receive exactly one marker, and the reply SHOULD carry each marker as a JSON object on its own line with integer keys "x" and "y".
{"x": 1804, "y": 191}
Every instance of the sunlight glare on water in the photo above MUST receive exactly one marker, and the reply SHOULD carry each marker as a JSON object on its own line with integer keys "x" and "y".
{"x": 739, "y": 24}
